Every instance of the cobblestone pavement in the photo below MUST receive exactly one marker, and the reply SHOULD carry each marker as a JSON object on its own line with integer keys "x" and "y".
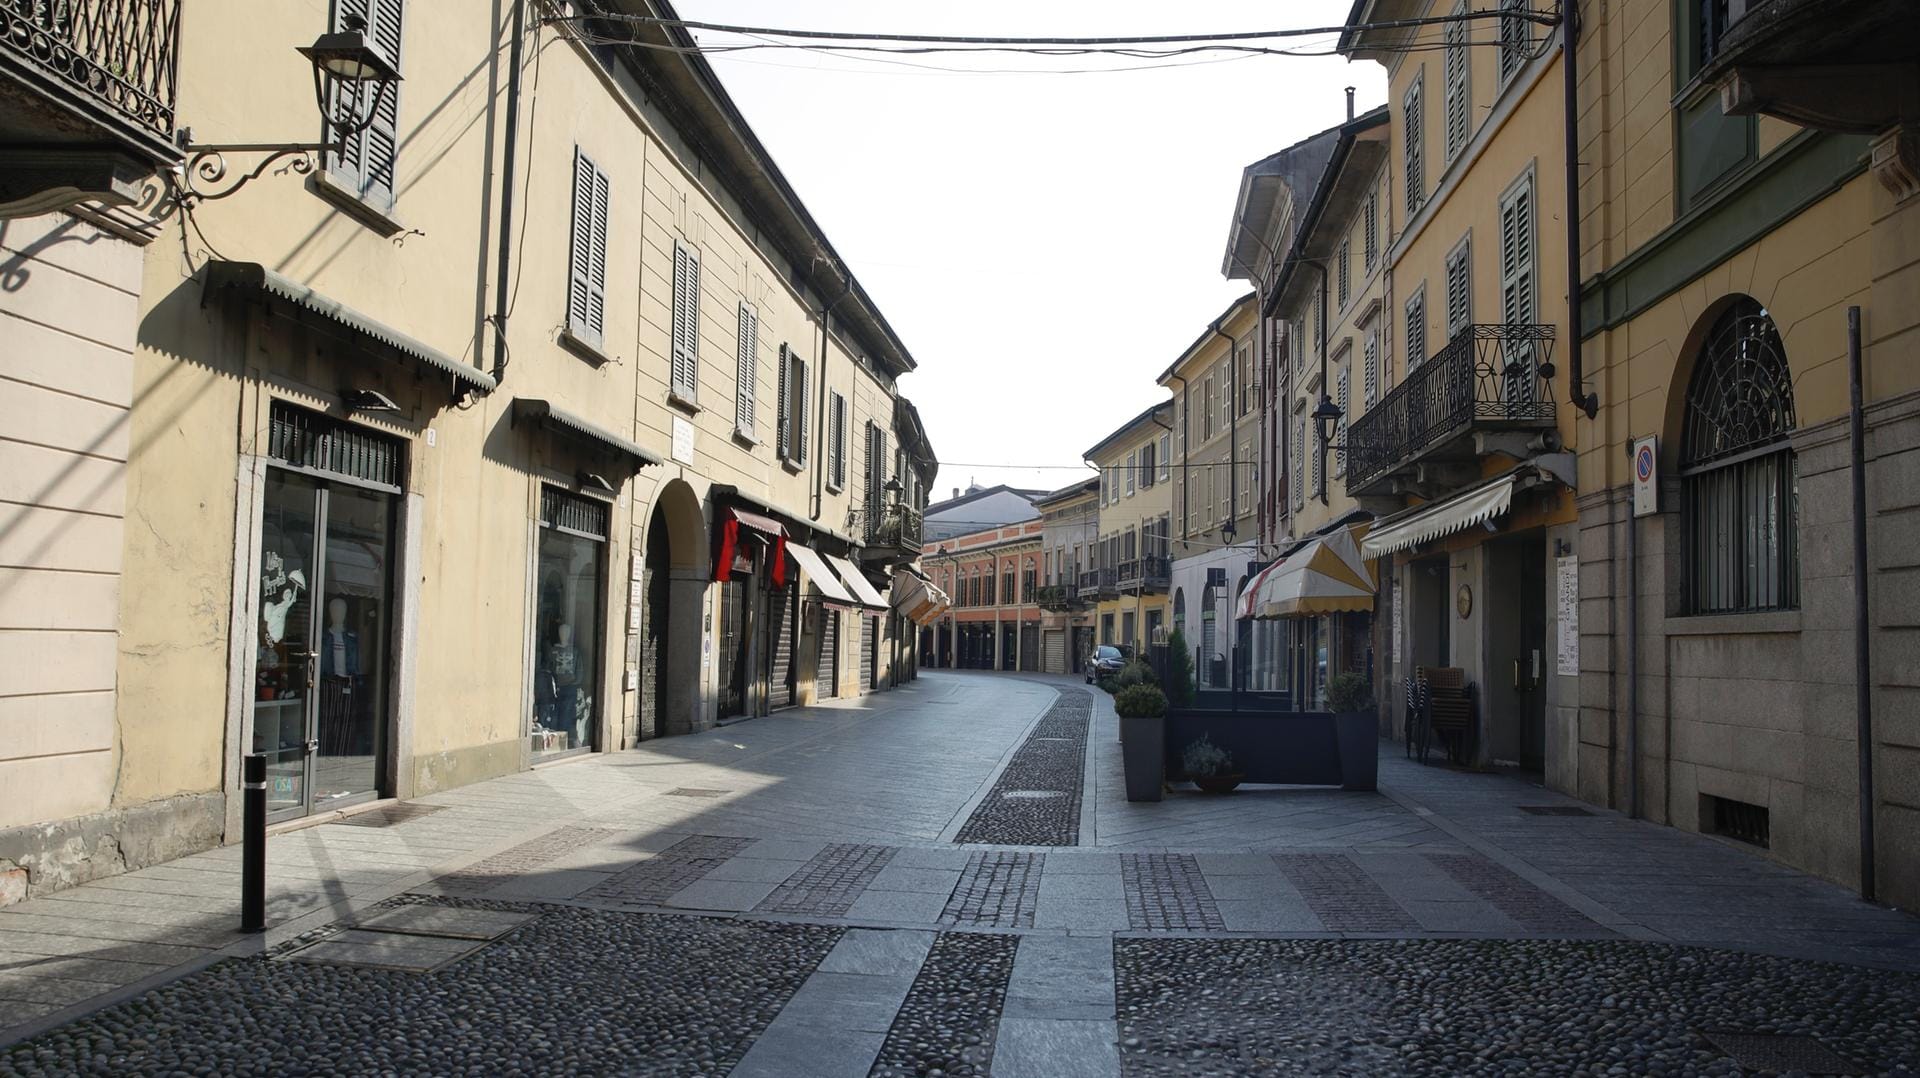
{"x": 847, "y": 933}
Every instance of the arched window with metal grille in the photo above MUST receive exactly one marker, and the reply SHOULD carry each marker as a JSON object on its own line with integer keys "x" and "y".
{"x": 1737, "y": 469}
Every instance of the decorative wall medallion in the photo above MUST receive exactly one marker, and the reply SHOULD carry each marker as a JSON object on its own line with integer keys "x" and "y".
{"x": 1463, "y": 601}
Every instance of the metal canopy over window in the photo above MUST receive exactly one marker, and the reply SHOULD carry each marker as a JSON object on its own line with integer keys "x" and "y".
{"x": 573, "y": 513}
{"x": 311, "y": 307}
{"x": 534, "y": 410}
{"x": 323, "y": 445}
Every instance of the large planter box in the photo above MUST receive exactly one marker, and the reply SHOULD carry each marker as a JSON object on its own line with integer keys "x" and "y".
{"x": 1296, "y": 748}
{"x": 1143, "y": 753}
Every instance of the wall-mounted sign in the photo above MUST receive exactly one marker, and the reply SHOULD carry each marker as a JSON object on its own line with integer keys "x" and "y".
{"x": 1646, "y": 476}
{"x": 682, "y": 440}
{"x": 1463, "y": 600}
{"x": 1567, "y": 613}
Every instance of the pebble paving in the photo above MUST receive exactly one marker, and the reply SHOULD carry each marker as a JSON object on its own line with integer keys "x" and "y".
{"x": 575, "y": 991}
{"x": 1194, "y": 1007}
{"x": 1036, "y": 799}
{"x": 1342, "y": 895}
{"x": 828, "y": 884}
{"x": 998, "y": 888}
{"x": 653, "y": 881}
{"x": 1166, "y": 891}
{"x": 947, "y": 1024}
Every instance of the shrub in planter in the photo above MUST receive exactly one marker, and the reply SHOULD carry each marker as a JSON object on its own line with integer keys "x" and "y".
{"x": 1141, "y": 702}
{"x": 1209, "y": 766}
{"x": 1348, "y": 693}
{"x": 1179, "y": 670}
{"x": 1108, "y": 685}
{"x": 1137, "y": 672}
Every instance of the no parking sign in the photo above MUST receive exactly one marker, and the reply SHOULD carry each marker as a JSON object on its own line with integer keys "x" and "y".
{"x": 1646, "y": 476}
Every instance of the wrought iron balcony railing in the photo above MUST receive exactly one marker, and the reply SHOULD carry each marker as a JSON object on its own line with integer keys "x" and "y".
{"x": 1099, "y": 583}
{"x": 895, "y": 527}
{"x": 1147, "y": 573}
{"x": 123, "y": 54}
{"x": 1487, "y": 376}
{"x": 1058, "y": 596}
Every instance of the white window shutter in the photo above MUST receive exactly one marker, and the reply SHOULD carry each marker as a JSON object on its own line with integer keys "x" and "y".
{"x": 747, "y": 374}
{"x": 800, "y": 411}
{"x": 686, "y": 322}
{"x": 580, "y": 252}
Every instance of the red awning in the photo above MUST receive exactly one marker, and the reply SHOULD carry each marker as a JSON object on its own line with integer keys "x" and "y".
{"x": 759, "y": 523}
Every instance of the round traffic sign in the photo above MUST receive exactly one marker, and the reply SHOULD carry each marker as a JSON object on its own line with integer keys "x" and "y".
{"x": 1643, "y": 463}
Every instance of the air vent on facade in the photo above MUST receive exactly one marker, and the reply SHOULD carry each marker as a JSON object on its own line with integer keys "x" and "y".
{"x": 1735, "y": 819}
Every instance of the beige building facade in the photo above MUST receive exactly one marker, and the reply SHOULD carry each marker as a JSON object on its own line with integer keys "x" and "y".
{"x": 1070, "y": 528}
{"x": 443, "y": 462}
{"x": 1130, "y": 571}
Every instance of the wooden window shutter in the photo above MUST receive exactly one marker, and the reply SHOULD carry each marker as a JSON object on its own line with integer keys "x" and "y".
{"x": 1414, "y": 159}
{"x": 1345, "y": 276}
{"x": 1373, "y": 227}
{"x": 587, "y": 252}
{"x": 1370, "y": 377}
{"x": 783, "y": 409}
{"x": 747, "y": 374}
{"x": 365, "y": 164}
{"x": 1459, "y": 290}
{"x": 1458, "y": 90}
{"x": 800, "y": 410}
{"x": 837, "y": 440}
{"x": 686, "y": 322}
{"x": 1516, "y": 256}
{"x": 1417, "y": 329}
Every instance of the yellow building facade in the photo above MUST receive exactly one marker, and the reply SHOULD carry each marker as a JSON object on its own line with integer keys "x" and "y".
{"x": 1129, "y": 572}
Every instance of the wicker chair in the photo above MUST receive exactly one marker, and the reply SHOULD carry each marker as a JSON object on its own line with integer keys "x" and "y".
{"x": 1449, "y": 711}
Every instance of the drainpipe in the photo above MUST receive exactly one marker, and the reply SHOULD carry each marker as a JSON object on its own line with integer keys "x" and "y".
{"x": 1862, "y": 657}
{"x": 1321, "y": 493}
{"x": 1576, "y": 367}
{"x": 504, "y": 281}
{"x": 1633, "y": 656}
{"x": 1186, "y": 477}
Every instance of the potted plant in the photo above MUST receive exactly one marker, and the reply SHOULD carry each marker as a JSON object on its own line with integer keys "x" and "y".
{"x": 1357, "y": 730}
{"x": 1179, "y": 670}
{"x": 1143, "y": 711}
{"x": 1210, "y": 766}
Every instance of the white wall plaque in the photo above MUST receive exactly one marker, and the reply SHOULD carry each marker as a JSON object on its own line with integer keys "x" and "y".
{"x": 1567, "y": 592}
{"x": 682, "y": 439}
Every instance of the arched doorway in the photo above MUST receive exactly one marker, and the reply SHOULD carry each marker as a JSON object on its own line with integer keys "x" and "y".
{"x": 675, "y": 589}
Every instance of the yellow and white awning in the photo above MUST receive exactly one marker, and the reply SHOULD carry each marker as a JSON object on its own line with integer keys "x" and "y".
{"x": 917, "y": 597}
{"x": 856, "y": 582}
{"x": 1327, "y": 575}
{"x": 825, "y": 582}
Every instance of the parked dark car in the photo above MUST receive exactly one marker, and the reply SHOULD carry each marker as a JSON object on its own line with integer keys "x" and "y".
{"x": 1107, "y": 660}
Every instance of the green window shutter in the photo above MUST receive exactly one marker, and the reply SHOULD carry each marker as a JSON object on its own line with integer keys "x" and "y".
{"x": 800, "y": 410}
{"x": 747, "y": 370}
{"x": 1340, "y": 428}
{"x": 837, "y": 440}
{"x": 1459, "y": 290}
{"x": 783, "y": 409}
{"x": 686, "y": 322}
{"x": 1412, "y": 124}
{"x": 1416, "y": 329}
{"x": 1458, "y": 89}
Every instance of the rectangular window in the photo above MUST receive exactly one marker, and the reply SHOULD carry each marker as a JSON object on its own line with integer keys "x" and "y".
{"x": 836, "y": 440}
{"x": 1516, "y": 253}
{"x": 587, "y": 253}
{"x": 1459, "y": 90}
{"x": 1516, "y": 39}
{"x": 1133, "y": 468}
{"x": 1148, "y": 473}
{"x": 1460, "y": 288}
{"x": 686, "y": 322}
{"x": 365, "y": 162}
{"x": 1412, "y": 125}
{"x": 1298, "y": 335}
{"x": 1417, "y": 326}
{"x": 1166, "y": 455}
{"x": 1372, "y": 227}
{"x": 1343, "y": 274}
{"x": 791, "y": 438}
{"x": 746, "y": 371}
{"x": 1206, "y": 408}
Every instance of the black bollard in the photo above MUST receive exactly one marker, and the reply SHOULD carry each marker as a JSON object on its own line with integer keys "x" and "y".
{"x": 253, "y": 839}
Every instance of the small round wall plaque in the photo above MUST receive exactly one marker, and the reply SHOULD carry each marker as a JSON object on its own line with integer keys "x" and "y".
{"x": 1463, "y": 602}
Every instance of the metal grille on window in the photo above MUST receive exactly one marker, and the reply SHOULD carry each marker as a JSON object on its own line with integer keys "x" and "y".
{"x": 1738, "y": 470}
{"x": 309, "y": 440}
{"x": 586, "y": 517}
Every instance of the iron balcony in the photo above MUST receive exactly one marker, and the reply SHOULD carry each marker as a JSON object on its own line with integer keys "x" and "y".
{"x": 892, "y": 535}
{"x": 1150, "y": 574}
{"x": 1826, "y": 64}
{"x": 82, "y": 82}
{"x": 1058, "y": 598}
{"x": 1489, "y": 379}
{"x": 1099, "y": 584}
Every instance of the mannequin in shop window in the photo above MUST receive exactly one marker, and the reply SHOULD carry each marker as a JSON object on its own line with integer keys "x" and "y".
{"x": 560, "y": 678}
{"x": 339, "y": 678}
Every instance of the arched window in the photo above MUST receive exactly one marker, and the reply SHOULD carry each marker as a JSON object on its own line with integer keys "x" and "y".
{"x": 1737, "y": 470}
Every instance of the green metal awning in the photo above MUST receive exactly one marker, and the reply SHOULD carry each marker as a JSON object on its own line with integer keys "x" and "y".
{"x": 535, "y": 410}
{"x": 256, "y": 278}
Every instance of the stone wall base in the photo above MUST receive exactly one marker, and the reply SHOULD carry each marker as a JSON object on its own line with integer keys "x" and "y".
{"x": 39, "y": 858}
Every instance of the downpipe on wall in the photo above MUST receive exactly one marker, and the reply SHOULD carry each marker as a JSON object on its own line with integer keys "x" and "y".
{"x": 509, "y": 148}
{"x": 1588, "y": 403}
{"x": 1862, "y": 657}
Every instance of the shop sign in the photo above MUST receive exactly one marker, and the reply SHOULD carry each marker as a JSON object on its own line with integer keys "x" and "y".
{"x": 1646, "y": 476}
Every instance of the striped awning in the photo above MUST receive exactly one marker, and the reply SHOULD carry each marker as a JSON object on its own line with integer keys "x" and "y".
{"x": 1327, "y": 575}
{"x": 826, "y": 583}
{"x": 918, "y": 597}
{"x": 857, "y": 583}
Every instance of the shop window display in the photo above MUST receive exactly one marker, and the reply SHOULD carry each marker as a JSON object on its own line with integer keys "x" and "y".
{"x": 567, "y": 624}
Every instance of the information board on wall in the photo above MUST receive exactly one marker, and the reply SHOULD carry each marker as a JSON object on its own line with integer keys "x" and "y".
{"x": 1567, "y": 591}
{"x": 1397, "y": 655}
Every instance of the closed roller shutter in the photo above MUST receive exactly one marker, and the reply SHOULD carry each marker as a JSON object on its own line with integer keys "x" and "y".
{"x": 826, "y": 680}
{"x": 1054, "y": 649}
{"x": 869, "y": 641}
{"x": 780, "y": 628}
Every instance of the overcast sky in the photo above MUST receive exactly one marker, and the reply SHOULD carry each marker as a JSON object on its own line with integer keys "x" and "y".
{"x": 1045, "y": 244}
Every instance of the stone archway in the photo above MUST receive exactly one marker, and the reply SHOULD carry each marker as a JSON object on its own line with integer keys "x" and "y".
{"x": 672, "y": 700}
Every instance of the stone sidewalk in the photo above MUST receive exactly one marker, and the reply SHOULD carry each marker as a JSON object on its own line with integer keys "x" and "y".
{"x": 844, "y": 818}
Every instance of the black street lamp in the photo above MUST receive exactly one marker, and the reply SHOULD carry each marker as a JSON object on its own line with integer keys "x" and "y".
{"x": 346, "y": 67}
